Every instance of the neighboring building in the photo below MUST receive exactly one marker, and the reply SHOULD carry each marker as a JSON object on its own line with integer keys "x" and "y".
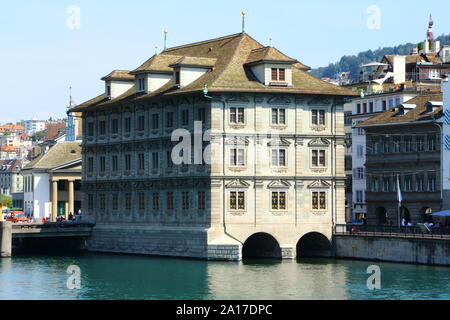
{"x": 348, "y": 107}
{"x": 12, "y": 128}
{"x": 404, "y": 141}
{"x": 8, "y": 153}
{"x": 260, "y": 195}
{"x": 363, "y": 109}
{"x": 10, "y": 179}
{"x": 34, "y": 125}
{"x": 52, "y": 182}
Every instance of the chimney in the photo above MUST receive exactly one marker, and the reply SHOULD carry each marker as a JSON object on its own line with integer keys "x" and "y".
{"x": 399, "y": 68}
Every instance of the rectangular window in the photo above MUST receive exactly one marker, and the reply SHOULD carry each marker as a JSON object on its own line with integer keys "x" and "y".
{"x": 155, "y": 121}
{"x": 141, "y": 123}
{"x": 419, "y": 183}
{"x": 237, "y": 200}
{"x": 279, "y": 157}
{"x": 141, "y": 201}
{"x": 201, "y": 115}
{"x": 141, "y": 84}
{"x": 431, "y": 144}
{"x": 169, "y": 119}
{"x": 115, "y": 126}
{"x": 318, "y": 158}
{"x": 90, "y": 129}
{"x": 371, "y": 107}
{"x": 185, "y": 117}
{"x": 115, "y": 201}
{"x": 365, "y": 107}
{"x": 237, "y": 157}
{"x": 127, "y": 201}
{"x": 347, "y": 118}
{"x": 177, "y": 77}
{"x": 90, "y": 164}
{"x": 128, "y": 162}
{"x": 185, "y": 200}
{"x": 278, "y": 74}
{"x": 141, "y": 161}
{"x": 419, "y": 144}
{"x": 102, "y": 163}
{"x": 408, "y": 144}
{"x": 358, "y": 108}
{"x": 397, "y": 143}
{"x": 384, "y": 105}
{"x": 169, "y": 159}
{"x": 408, "y": 183}
{"x": 278, "y": 116}
{"x": 155, "y": 160}
{"x": 102, "y": 127}
{"x": 319, "y": 201}
{"x": 318, "y": 117}
{"x": 155, "y": 201}
{"x": 91, "y": 201}
{"x": 115, "y": 163}
{"x": 237, "y": 115}
{"x": 386, "y": 184}
{"x": 102, "y": 202}
{"x": 127, "y": 124}
{"x": 201, "y": 200}
{"x": 169, "y": 200}
{"x": 431, "y": 183}
{"x": 278, "y": 200}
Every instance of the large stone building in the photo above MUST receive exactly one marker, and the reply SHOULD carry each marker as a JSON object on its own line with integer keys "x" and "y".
{"x": 275, "y": 140}
{"x": 404, "y": 142}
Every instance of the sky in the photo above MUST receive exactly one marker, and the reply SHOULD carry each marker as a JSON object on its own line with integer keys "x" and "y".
{"x": 49, "y": 46}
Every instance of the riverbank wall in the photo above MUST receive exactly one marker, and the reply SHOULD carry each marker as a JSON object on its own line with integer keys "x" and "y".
{"x": 413, "y": 250}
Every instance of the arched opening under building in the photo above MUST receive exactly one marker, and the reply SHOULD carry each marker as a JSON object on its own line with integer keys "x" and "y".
{"x": 404, "y": 214}
{"x": 426, "y": 214}
{"x": 261, "y": 245}
{"x": 314, "y": 244}
{"x": 381, "y": 214}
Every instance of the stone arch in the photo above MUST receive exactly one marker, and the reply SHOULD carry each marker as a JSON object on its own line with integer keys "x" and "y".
{"x": 405, "y": 214}
{"x": 261, "y": 245}
{"x": 314, "y": 244}
{"x": 381, "y": 215}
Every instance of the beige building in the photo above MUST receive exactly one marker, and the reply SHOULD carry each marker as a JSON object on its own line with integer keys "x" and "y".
{"x": 267, "y": 180}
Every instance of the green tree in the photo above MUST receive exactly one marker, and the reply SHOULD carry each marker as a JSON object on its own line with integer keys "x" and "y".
{"x": 6, "y": 200}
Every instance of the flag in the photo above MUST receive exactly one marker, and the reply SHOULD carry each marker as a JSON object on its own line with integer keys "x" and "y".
{"x": 399, "y": 192}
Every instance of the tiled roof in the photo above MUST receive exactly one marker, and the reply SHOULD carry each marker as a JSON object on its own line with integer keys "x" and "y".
{"x": 195, "y": 61}
{"x": 229, "y": 74}
{"x": 417, "y": 114}
{"x": 11, "y": 127}
{"x": 119, "y": 75}
{"x": 54, "y": 130}
{"x": 59, "y": 154}
{"x": 11, "y": 165}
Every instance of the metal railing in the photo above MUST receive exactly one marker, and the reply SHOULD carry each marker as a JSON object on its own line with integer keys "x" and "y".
{"x": 392, "y": 231}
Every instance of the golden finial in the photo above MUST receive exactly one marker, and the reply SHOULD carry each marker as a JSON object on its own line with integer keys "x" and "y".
{"x": 243, "y": 20}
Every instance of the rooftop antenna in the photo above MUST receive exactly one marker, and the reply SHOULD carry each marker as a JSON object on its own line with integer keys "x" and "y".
{"x": 165, "y": 38}
{"x": 243, "y": 20}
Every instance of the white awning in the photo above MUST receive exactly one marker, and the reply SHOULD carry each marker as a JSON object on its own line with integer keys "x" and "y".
{"x": 374, "y": 64}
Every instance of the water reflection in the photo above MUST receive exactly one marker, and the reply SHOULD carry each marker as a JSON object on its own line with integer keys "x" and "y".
{"x": 105, "y": 276}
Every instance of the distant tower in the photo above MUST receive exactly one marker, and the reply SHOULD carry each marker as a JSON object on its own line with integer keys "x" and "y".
{"x": 70, "y": 127}
{"x": 430, "y": 36}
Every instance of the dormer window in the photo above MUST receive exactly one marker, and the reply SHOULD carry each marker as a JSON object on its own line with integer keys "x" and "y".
{"x": 108, "y": 90}
{"x": 177, "y": 78}
{"x": 141, "y": 84}
{"x": 278, "y": 74}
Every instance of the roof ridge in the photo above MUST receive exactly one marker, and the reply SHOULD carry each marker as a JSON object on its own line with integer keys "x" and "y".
{"x": 202, "y": 42}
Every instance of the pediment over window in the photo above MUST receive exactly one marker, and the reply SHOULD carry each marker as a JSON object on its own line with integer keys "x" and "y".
{"x": 238, "y": 99}
{"x": 319, "y": 142}
{"x": 238, "y": 183}
{"x": 279, "y": 100}
{"x": 319, "y": 184}
{"x": 319, "y": 101}
{"x": 277, "y": 184}
{"x": 238, "y": 141}
{"x": 280, "y": 142}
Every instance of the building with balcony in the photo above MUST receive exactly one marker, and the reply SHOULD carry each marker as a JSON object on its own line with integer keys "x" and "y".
{"x": 263, "y": 166}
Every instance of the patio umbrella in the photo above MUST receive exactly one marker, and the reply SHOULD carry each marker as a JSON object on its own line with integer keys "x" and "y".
{"x": 445, "y": 213}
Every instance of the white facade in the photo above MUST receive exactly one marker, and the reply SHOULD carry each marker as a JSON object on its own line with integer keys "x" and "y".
{"x": 37, "y": 201}
{"x": 446, "y": 144}
{"x": 364, "y": 108}
{"x": 32, "y": 126}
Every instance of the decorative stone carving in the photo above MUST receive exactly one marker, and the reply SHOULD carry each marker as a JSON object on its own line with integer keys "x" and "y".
{"x": 319, "y": 142}
{"x": 319, "y": 184}
{"x": 279, "y": 100}
{"x": 238, "y": 183}
{"x": 319, "y": 101}
{"x": 279, "y": 184}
